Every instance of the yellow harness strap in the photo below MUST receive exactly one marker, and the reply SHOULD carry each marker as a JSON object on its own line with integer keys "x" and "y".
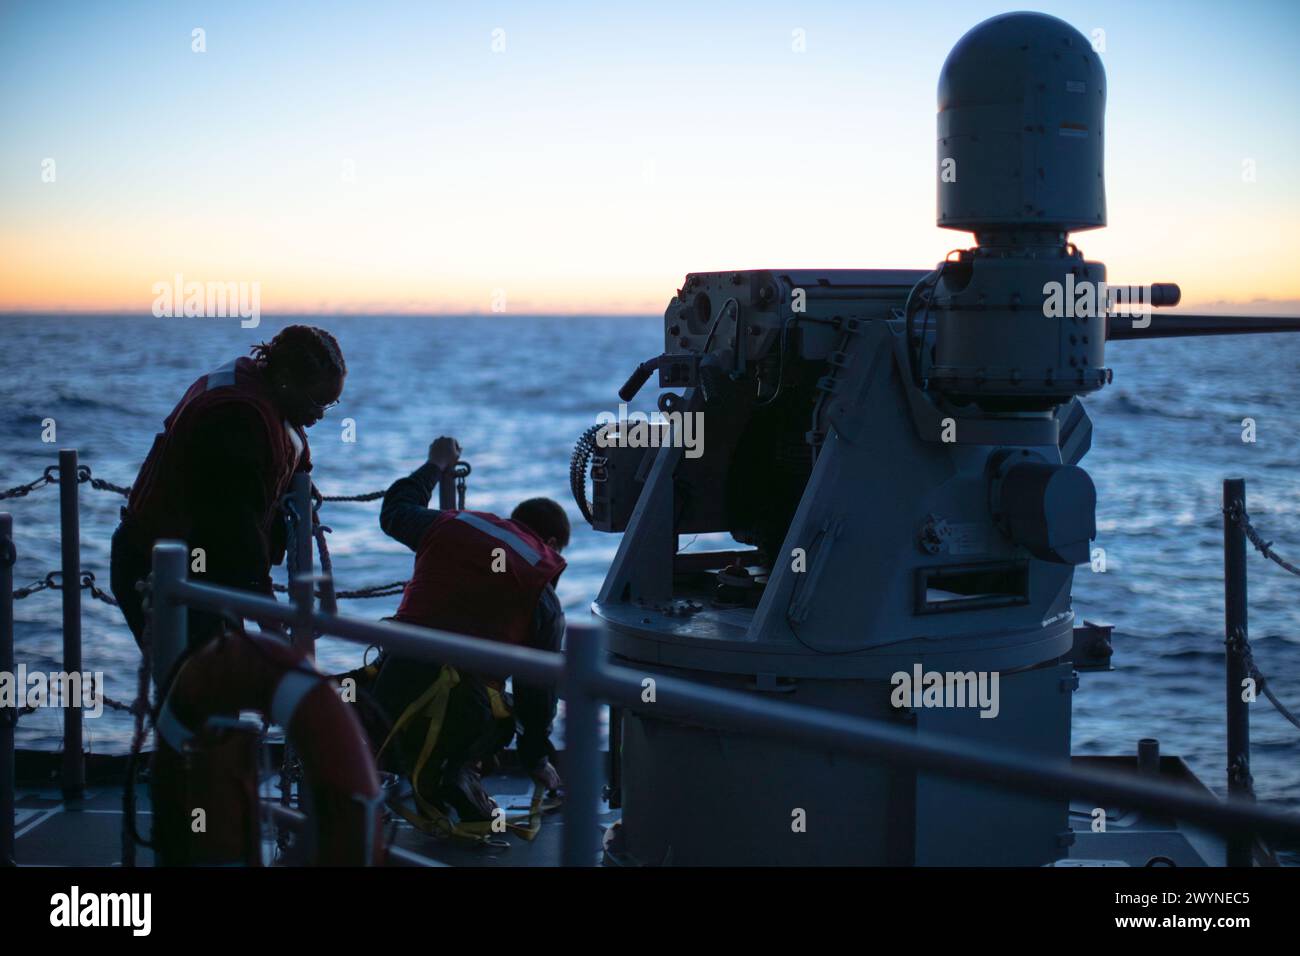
{"x": 429, "y": 818}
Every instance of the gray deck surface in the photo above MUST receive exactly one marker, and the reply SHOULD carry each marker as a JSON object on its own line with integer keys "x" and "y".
{"x": 50, "y": 834}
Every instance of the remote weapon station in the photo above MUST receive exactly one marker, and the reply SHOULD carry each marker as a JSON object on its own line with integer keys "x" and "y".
{"x": 899, "y": 451}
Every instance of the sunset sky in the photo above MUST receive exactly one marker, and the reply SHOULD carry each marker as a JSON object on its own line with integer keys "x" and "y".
{"x": 383, "y": 157}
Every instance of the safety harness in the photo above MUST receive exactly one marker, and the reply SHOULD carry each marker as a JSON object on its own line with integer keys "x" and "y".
{"x": 427, "y": 816}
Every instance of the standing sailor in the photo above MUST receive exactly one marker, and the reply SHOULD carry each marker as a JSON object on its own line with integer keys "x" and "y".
{"x": 478, "y": 574}
{"x": 217, "y": 471}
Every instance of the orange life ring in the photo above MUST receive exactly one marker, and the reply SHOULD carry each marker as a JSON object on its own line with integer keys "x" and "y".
{"x": 197, "y": 770}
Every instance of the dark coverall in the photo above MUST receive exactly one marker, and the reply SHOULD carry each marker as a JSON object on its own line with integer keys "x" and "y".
{"x": 469, "y": 731}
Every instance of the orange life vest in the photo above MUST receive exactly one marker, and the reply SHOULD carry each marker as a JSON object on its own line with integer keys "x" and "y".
{"x": 157, "y": 507}
{"x": 478, "y": 574}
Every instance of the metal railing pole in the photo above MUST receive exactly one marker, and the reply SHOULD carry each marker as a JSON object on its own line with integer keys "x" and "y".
{"x": 615, "y": 789}
{"x": 303, "y": 583}
{"x": 74, "y": 761}
{"x": 583, "y": 657}
{"x": 822, "y": 730}
{"x": 447, "y": 489}
{"x": 9, "y": 716}
{"x": 1236, "y": 671}
{"x": 169, "y": 630}
{"x": 302, "y": 587}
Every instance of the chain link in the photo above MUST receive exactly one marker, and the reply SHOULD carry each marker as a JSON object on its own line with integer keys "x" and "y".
{"x": 373, "y": 591}
{"x": 368, "y": 496}
{"x": 51, "y": 582}
{"x": 22, "y": 491}
{"x": 50, "y": 477}
{"x": 99, "y": 484}
{"x": 84, "y": 476}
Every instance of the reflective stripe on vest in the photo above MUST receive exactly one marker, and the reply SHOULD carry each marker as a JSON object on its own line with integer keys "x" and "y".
{"x": 222, "y": 377}
{"x": 516, "y": 543}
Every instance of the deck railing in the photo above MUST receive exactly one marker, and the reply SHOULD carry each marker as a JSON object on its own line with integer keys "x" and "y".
{"x": 586, "y": 678}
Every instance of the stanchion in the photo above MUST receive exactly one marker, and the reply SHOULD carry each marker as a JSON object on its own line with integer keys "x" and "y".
{"x": 74, "y": 761}
{"x": 8, "y": 716}
{"x": 169, "y": 628}
{"x": 1236, "y": 638}
{"x": 584, "y": 656}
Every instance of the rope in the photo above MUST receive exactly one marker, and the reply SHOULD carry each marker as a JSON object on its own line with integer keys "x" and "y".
{"x": 328, "y": 597}
{"x": 1261, "y": 683}
{"x": 1265, "y": 548}
{"x": 1239, "y": 517}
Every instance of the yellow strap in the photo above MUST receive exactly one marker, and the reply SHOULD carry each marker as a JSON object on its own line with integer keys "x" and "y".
{"x": 447, "y": 679}
{"x": 499, "y": 709}
{"x": 438, "y": 696}
{"x": 529, "y": 830}
{"x": 428, "y": 817}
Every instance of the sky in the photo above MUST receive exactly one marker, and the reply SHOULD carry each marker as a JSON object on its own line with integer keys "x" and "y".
{"x": 582, "y": 158}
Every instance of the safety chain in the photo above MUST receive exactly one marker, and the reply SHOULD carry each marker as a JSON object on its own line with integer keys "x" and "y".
{"x": 99, "y": 484}
{"x": 368, "y": 496}
{"x": 461, "y": 471}
{"x": 1238, "y": 515}
{"x": 49, "y": 582}
{"x": 374, "y": 591}
{"x": 22, "y": 491}
{"x": 51, "y": 477}
{"x": 108, "y": 702}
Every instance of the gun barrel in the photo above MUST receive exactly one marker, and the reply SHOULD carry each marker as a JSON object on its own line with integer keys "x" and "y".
{"x": 1167, "y": 326}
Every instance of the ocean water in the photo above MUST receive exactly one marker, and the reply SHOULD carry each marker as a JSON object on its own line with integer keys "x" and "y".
{"x": 517, "y": 391}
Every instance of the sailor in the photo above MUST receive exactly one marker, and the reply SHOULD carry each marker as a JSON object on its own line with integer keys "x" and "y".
{"x": 485, "y": 576}
{"x": 215, "y": 475}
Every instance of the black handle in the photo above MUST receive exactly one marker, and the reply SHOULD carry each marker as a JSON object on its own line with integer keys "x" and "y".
{"x": 638, "y": 378}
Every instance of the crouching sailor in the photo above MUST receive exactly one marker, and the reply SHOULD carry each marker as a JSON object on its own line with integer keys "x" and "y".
{"x": 217, "y": 471}
{"x": 485, "y": 576}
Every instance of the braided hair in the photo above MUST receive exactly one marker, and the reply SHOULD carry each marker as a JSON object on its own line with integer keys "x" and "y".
{"x": 306, "y": 353}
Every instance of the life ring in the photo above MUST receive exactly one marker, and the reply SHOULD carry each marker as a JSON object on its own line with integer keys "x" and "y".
{"x": 199, "y": 768}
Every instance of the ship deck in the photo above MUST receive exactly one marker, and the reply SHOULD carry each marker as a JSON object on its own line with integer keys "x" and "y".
{"x": 88, "y": 833}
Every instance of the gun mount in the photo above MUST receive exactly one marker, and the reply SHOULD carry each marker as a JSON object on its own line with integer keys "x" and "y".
{"x": 898, "y": 452}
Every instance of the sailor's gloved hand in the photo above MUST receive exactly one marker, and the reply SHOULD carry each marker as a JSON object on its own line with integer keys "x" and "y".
{"x": 544, "y": 773}
{"x": 444, "y": 452}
